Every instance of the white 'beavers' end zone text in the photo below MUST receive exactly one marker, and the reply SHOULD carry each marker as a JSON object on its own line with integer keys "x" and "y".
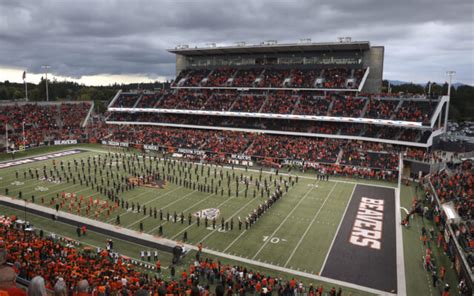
{"x": 367, "y": 229}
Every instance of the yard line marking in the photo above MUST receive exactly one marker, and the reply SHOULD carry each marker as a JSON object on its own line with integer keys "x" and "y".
{"x": 219, "y": 205}
{"x": 46, "y": 193}
{"x": 238, "y": 211}
{"x": 309, "y": 226}
{"x": 34, "y": 183}
{"x": 236, "y": 239}
{"x": 146, "y": 216}
{"x": 185, "y": 210}
{"x": 282, "y": 222}
{"x": 155, "y": 199}
{"x": 270, "y": 173}
{"x": 136, "y": 196}
{"x": 20, "y": 178}
{"x": 337, "y": 231}
{"x": 228, "y": 219}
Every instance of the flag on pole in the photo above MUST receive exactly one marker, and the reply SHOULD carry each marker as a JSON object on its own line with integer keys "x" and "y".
{"x": 26, "y": 85}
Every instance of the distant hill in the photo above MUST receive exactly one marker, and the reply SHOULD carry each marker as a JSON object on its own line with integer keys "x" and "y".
{"x": 399, "y": 82}
{"x": 458, "y": 84}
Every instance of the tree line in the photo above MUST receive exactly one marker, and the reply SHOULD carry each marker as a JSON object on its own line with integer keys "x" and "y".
{"x": 461, "y": 107}
{"x": 68, "y": 90}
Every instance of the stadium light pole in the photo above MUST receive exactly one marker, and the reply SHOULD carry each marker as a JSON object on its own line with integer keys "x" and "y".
{"x": 26, "y": 85}
{"x": 6, "y": 136}
{"x": 46, "y": 67}
{"x": 23, "y": 133}
{"x": 450, "y": 75}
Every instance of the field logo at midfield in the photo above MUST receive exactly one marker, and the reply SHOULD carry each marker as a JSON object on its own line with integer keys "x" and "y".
{"x": 41, "y": 188}
{"x": 51, "y": 180}
{"x": 367, "y": 229}
{"x": 211, "y": 213}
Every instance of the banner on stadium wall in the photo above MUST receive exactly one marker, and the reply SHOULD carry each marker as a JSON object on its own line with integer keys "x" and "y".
{"x": 65, "y": 142}
{"x": 241, "y": 162}
{"x": 113, "y": 143}
{"x": 311, "y": 164}
{"x": 240, "y": 157}
{"x": 293, "y": 162}
{"x": 151, "y": 147}
{"x": 191, "y": 151}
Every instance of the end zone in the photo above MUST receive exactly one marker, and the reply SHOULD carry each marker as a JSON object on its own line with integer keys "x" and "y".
{"x": 43, "y": 157}
{"x": 364, "y": 250}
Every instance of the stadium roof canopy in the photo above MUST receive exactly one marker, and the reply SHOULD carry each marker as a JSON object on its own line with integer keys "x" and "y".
{"x": 272, "y": 48}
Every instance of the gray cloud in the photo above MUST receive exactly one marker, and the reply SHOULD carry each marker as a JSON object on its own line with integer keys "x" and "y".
{"x": 423, "y": 39}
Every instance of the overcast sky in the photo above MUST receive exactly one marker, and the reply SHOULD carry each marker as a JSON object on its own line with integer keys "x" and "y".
{"x": 101, "y": 42}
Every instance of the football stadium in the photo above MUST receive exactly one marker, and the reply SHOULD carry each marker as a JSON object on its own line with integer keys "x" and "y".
{"x": 259, "y": 169}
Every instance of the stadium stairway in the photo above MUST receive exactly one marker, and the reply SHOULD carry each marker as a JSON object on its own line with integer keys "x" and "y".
{"x": 233, "y": 103}
{"x": 259, "y": 78}
{"x": 339, "y": 156}
{"x": 137, "y": 101}
{"x": 264, "y": 102}
{"x": 159, "y": 101}
{"x": 183, "y": 81}
{"x": 396, "y": 109}
{"x": 249, "y": 147}
{"x": 207, "y": 100}
{"x": 330, "y": 107}
{"x": 88, "y": 116}
{"x": 206, "y": 78}
{"x": 366, "y": 106}
{"x": 296, "y": 105}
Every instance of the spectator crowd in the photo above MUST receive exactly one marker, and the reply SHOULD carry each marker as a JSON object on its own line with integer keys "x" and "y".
{"x": 65, "y": 269}
{"x": 284, "y": 102}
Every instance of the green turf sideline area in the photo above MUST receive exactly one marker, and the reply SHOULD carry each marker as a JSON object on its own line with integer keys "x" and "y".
{"x": 418, "y": 280}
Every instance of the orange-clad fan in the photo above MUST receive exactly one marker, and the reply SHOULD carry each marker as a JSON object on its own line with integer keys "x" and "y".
{"x": 49, "y": 264}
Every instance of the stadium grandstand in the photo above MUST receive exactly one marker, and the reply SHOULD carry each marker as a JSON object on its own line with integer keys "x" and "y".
{"x": 263, "y": 169}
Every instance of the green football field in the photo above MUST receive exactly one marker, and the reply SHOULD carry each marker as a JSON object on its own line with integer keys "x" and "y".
{"x": 297, "y": 232}
{"x": 304, "y": 220}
